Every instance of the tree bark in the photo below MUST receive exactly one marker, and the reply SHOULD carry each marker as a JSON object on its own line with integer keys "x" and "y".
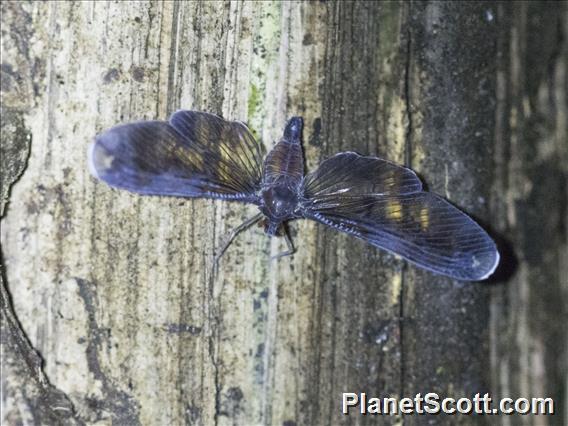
{"x": 110, "y": 313}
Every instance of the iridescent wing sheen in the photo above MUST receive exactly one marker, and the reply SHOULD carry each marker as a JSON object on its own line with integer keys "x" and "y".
{"x": 419, "y": 226}
{"x": 195, "y": 154}
{"x": 349, "y": 173}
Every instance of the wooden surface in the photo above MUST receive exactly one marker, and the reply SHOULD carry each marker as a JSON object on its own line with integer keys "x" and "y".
{"x": 113, "y": 290}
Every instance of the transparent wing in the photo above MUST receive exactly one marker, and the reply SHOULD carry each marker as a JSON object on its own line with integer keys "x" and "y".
{"x": 419, "y": 226}
{"x": 349, "y": 173}
{"x": 195, "y": 154}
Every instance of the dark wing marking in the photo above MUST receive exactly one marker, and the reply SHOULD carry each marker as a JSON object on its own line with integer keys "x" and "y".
{"x": 349, "y": 173}
{"x": 419, "y": 226}
{"x": 195, "y": 154}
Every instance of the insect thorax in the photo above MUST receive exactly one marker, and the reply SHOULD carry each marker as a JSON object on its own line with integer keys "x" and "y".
{"x": 279, "y": 202}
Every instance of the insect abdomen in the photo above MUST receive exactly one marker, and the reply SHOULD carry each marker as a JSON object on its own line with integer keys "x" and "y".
{"x": 284, "y": 163}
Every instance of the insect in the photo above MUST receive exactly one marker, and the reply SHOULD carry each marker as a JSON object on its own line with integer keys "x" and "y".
{"x": 197, "y": 154}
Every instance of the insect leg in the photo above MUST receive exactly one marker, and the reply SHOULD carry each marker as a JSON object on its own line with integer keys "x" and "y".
{"x": 246, "y": 224}
{"x": 289, "y": 244}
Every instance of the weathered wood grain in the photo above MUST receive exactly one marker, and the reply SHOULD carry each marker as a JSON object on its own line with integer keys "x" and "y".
{"x": 114, "y": 290}
{"x": 529, "y": 343}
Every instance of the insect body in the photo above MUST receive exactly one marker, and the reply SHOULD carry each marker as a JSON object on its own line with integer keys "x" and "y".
{"x": 282, "y": 177}
{"x": 197, "y": 154}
